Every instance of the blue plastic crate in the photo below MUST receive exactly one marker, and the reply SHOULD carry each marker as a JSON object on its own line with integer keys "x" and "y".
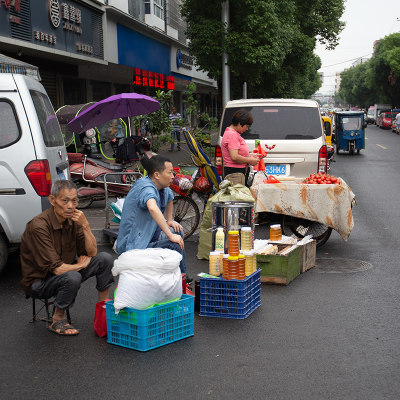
{"x": 147, "y": 329}
{"x": 233, "y": 298}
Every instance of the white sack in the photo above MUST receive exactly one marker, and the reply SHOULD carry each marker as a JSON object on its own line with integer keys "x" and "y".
{"x": 147, "y": 277}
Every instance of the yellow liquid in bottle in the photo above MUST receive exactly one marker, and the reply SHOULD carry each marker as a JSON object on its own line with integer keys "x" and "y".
{"x": 246, "y": 238}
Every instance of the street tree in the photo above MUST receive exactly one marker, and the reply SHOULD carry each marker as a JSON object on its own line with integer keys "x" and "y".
{"x": 384, "y": 72}
{"x": 270, "y": 43}
{"x": 354, "y": 86}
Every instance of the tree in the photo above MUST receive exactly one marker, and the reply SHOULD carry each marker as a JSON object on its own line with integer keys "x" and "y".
{"x": 376, "y": 81}
{"x": 270, "y": 43}
{"x": 384, "y": 74}
{"x": 354, "y": 87}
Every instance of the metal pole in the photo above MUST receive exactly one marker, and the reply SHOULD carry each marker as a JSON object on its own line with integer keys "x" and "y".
{"x": 226, "y": 84}
{"x": 245, "y": 90}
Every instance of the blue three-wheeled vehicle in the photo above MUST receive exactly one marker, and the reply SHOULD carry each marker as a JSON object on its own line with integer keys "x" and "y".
{"x": 349, "y": 131}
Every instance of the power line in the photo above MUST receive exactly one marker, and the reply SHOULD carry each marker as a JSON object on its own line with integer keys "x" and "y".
{"x": 343, "y": 62}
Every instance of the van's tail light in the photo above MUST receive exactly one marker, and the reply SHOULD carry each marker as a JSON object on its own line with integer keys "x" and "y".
{"x": 38, "y": 173}
{"x": 218, "y": 160}
{"x": 323, "y": 160}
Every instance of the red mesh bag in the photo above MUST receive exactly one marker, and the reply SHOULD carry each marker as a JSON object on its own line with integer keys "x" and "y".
{"x": 202, "y": 185}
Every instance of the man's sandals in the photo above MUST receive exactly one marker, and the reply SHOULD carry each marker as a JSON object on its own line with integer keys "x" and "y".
{"x": 62, "y": 326}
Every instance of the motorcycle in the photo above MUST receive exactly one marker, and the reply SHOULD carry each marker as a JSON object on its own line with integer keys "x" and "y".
{"x": 90, "y": 174}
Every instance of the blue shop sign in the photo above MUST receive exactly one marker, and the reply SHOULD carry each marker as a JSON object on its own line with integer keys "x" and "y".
{"x": 55, "y": 24}
{"x": 140, "y": 51}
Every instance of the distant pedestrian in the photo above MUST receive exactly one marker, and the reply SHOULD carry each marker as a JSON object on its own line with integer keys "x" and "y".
{"x": 398, "y": 121}
{"x": 176, "y": 129}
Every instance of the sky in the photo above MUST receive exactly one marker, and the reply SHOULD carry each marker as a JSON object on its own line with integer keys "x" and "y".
{"x": 366, "y": 21}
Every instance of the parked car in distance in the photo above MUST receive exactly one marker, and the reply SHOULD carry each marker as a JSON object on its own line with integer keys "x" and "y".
{"x": 32, "y": 154}
{"x": 385, "y": 119}
{"x": 294, "y": 126}
{"x": 370, "y": 117}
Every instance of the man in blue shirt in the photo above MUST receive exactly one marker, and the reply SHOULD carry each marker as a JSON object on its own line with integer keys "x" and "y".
{"x": 143, "y": 224}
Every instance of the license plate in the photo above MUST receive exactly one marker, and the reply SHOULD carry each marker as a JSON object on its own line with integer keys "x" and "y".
{"x": 273, "y": 169}
{"x": 61, "y": 176}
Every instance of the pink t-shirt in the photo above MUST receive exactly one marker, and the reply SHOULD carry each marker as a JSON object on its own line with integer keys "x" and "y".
{"x": 232, "y": 140}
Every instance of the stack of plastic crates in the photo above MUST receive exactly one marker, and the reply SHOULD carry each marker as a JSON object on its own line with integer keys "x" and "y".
{"x": 147, "y": 329}
{"x": 230, "y": 298}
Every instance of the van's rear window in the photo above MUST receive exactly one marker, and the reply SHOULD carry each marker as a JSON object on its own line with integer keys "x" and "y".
{"x": 9, "y": 128}
{"x": 51, "y": 131}
{"x": 279, "y": 122}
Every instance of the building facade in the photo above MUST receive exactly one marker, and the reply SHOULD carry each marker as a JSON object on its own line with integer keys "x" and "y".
{"x": 89, "y": 49}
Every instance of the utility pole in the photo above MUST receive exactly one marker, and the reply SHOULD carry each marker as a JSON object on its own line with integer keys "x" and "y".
{"x": 226, "y": 83}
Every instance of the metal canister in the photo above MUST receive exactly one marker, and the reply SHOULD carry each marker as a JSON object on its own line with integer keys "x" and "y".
{"x": 231, "y": 215}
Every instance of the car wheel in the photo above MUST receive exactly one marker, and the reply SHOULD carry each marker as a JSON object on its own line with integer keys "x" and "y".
{"x": 303, "y": 227}
{"x": 3, "y": 252}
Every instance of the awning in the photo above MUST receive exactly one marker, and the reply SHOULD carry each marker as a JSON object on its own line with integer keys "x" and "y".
{"x": 12, "y": 66}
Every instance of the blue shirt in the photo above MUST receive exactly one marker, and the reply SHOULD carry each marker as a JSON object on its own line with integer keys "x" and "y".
{"x": 137, "y": 226}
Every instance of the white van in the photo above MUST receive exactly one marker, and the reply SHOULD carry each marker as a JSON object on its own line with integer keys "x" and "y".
{"x": 295, "y": 128}
{"x": 32, "y": 156}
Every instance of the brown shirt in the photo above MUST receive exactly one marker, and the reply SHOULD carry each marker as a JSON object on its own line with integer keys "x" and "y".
{"x": 46, "y": 245}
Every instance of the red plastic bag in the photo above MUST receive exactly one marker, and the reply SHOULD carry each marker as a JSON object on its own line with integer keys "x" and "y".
{"x": 100, "y": 319}
{"x": 202, "y": 185}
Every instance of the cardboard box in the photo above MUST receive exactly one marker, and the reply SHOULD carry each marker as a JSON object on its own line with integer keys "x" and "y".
{"x": 308, "y": 254}
{"x": 280, "y": 269}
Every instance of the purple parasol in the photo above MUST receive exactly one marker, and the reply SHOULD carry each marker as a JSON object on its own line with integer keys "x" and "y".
{"x": 113, "y": 107}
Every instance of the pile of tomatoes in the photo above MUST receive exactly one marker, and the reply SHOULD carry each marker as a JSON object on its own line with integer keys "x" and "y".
{"x": 322, "y": 178}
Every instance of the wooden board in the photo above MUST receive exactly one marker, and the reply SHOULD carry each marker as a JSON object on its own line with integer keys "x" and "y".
{"x": 308, "y": 253}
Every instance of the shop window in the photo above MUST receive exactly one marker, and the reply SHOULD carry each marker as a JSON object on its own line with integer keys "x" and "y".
{"x": 101, "y": 90}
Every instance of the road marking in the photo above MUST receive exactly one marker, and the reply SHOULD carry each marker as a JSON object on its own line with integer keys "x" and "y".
{"x": 382, "y": 147}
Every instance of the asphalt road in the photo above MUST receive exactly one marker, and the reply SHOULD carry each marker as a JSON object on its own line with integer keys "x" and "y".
{"x": 331, "y": 334}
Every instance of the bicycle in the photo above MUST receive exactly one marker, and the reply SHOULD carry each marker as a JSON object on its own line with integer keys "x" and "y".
{"x": 186, "y": 211}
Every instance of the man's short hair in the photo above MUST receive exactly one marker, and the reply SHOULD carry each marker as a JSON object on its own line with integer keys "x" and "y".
{"x": 242, "y": 117}
{"x": 61, "y": 185}
{"x": 156, "y": 164}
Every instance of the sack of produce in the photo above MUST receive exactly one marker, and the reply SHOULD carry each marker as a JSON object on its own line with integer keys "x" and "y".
{"x": 147, "y": 277}
{"x": 228, "y": 192}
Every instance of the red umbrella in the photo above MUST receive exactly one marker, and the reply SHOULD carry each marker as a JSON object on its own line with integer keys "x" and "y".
{"x": 113, "y": 107}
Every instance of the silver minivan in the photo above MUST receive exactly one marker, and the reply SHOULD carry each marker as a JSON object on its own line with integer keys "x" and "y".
{"x": 294, "y": 126}
{"x": 32, "y": 156}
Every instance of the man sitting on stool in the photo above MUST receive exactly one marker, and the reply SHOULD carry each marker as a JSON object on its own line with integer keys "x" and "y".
{"x": 50, "y": 245}
{"x": 143, "y": 224}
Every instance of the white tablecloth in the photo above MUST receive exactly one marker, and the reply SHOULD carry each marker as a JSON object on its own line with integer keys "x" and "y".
{"x": 328, "y": 204}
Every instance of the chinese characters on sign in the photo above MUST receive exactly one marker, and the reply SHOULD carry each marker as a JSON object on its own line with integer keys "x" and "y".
{"x": 8, "y": 3}
{"x": 44, "y": 37}
{"x": 142, "y": 77}
{"x": 84, "y": 48}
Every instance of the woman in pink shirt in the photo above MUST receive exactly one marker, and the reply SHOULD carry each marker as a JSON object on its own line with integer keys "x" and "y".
{"x": 235, "y": 152}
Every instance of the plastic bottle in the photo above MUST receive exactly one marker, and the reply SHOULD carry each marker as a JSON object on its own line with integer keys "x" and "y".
{"x": 233, "y": 243}
{"x": 225, "y": 270}
{"x": 220, "y": 240}
{"x": 233, "y": 267}
{"x": 275, "y": 233}
{"x": 246, "y": 238}
{"x": 254, "y": 260}
{"x": 248, "y": 268}
{"x": 214, "y": 263}
{"x": 242, "y": 266}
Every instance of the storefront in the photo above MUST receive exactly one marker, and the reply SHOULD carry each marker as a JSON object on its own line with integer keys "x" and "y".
{"x": 58, "y": 37}
{"x": 163, "y": 66}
